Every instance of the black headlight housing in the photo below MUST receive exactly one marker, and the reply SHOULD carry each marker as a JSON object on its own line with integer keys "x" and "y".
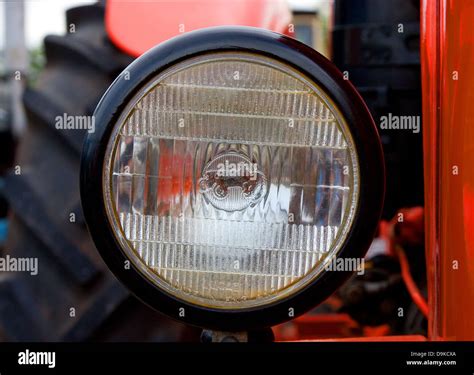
{"x": 267, "y": 45}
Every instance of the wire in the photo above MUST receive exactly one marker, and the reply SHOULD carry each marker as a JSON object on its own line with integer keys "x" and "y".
{"x": 410, "y": 284}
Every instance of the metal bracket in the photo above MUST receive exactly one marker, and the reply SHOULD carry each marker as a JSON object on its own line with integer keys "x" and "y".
{"x": 209, "y": 336}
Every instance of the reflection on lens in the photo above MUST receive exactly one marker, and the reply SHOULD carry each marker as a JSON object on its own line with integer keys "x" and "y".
{"x": 230, "y": 179}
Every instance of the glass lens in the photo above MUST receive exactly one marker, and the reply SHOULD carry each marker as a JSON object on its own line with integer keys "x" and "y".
{"x": 230, "y": 179}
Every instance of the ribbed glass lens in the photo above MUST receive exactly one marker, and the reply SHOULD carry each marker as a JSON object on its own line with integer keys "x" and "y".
{"x": 230, "y": 179}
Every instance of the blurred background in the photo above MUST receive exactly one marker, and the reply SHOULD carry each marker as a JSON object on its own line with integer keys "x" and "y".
{"x": 45, "y": 70}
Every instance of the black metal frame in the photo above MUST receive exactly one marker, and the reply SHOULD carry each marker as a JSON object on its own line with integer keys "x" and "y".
{"x": 288, "y": 51}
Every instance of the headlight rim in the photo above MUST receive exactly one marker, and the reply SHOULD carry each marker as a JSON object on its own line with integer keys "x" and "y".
{"x": 275, "y": 46}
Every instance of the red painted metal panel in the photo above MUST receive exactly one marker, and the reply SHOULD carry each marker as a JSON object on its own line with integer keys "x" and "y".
{"x": 136, "y": 26}
{"x": 448, "y": 121}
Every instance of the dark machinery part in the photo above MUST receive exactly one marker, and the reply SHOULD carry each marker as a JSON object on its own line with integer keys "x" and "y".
{"x": 380, "y": 295}
{"x": 260, "y": 336}
{"x": 74, "y": 297}
{"x": 377, "y": 43}
{"x": 373, "y": 298}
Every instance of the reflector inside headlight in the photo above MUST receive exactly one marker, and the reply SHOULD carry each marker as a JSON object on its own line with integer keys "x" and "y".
{"x": 230, "y": 180}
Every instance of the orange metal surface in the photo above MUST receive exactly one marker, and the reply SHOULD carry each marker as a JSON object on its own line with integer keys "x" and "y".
{"x": 402, "y": 338}
{"x": 136, "y": 26}
{"x": 335, "y": 327}
{"x": 448, "y": 122}
{"x": 317, "y": 327}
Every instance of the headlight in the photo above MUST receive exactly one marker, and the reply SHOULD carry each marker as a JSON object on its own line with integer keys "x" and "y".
{"x": 226, "y": 172}
{"x": 224, "y": 180}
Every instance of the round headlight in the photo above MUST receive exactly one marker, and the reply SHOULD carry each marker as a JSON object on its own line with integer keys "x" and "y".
{"x": 229, "y": 169}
